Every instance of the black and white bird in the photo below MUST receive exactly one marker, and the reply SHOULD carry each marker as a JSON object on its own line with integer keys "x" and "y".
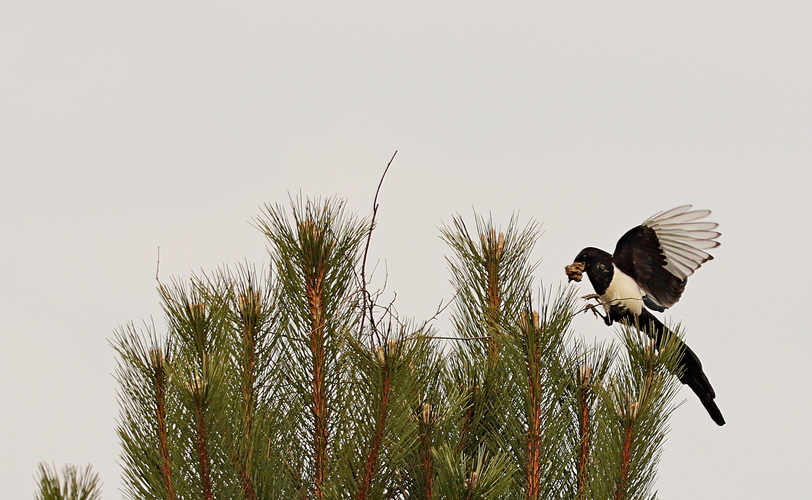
{"x": 648, "y": 270}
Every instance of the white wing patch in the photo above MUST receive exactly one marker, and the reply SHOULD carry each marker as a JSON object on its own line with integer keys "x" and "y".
{"x": 683, "y": 241}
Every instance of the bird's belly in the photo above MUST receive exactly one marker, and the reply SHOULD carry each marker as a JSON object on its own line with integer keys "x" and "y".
{"x": 623, "y": 294}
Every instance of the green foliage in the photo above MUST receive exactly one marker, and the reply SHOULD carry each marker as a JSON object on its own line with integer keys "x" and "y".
{"x": 298, "y": 384}
{"x": 480, "y": 477}
{"x": 75, "y": 484}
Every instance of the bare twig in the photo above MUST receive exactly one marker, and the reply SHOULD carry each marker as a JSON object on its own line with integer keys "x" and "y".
{"x": 441, "y": 309}
{"x": 158, "y": 265}
{"x": 487, "y": 337}
{"x": 368, "y": 303}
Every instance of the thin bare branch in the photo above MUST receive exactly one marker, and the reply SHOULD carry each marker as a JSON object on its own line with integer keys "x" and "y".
{"x": 460, "y": 338}
{"x": 366, "y": 295}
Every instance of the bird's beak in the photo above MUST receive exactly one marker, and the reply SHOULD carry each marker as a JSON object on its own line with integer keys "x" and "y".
{"x": 575, "y": 271}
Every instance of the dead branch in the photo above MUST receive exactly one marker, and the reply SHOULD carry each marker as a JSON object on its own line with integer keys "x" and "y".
{"x": 367, "y": 298}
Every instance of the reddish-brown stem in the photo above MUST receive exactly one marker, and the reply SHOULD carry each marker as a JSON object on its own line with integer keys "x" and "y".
{"x": 314, "y": 280}
{"x": 159, "y": 373}
{"x": 249, "y": 377}
{"x": 467, "y": 419}
{"x": 248, "y": 382}
{"x": 534, "y": 457}
{"x": 533, "y": 479}
{"x": 428, "y": 463}
{"x": 202, "y": 451}
{"x": 245, "y": 480}
{"x": 583, "y": 462}
{"x": 492, "y": 258}
{"x": 377, "y": 439}
{"x": 625, "y": 461}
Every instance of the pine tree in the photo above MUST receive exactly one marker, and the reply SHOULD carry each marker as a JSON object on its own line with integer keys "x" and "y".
{"x": 297, "y": 383}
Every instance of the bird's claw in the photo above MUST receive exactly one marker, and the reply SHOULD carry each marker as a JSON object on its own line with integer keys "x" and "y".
{"x": 594, "y": 308}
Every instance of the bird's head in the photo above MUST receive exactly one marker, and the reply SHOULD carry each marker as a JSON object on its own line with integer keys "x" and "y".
{"x": 575, "y": 271}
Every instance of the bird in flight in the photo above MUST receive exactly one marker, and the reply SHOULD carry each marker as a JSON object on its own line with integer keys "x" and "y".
{"x": 648, "y": 270}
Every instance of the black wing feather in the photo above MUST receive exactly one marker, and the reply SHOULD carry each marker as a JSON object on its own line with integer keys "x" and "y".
{"x": 662, "y": 252}
{"x": 638, "y": 254}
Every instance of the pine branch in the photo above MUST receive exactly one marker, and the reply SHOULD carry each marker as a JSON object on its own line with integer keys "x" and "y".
{"x": 427, "y": 422}
{"x": 530, "y": 330}
{"x": 249, "y": 315}
{"x": 380, "y": 424}
{"x": 584, "y": 427}
{"x": 314, "y": 256}
{"x": 204, "y": 460}
{"x": 145, "y": 430}
{"x": 75, "y": 484}
{"x": 160, "y": 384}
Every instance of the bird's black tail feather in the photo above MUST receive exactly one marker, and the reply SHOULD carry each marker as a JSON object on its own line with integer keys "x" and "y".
{"x": 691, "y": 373}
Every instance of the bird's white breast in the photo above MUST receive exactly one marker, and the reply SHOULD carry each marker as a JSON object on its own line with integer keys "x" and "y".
{"x": 623, "y": 291}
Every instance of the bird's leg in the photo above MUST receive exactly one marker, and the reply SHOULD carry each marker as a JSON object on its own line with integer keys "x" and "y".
{"x": 594, "y": 308}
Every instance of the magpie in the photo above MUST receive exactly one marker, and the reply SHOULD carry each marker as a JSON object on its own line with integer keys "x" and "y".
{"x": 648, "y": 270}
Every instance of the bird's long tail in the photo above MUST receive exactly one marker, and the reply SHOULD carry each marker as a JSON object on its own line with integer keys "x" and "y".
{"x": 691, "y": 374}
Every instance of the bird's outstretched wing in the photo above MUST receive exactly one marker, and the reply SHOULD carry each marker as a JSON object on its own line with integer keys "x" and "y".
{"x": 663, "y": 251}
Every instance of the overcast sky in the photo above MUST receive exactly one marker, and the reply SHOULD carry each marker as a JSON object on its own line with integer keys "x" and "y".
{"x": 162, "y": 123}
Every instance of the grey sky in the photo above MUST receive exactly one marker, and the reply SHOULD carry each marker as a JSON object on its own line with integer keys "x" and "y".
{"x": 128, "y": 127}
